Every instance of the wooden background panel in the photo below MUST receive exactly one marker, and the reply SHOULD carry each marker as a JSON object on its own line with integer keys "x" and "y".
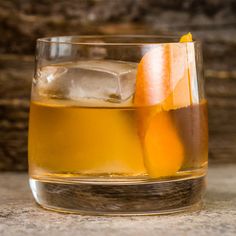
{"x": 15, "y": 84}
{"x": 22, "y": 21}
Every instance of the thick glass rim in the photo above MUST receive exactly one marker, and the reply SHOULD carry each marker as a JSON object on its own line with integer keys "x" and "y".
{"x": 125, "y": 40}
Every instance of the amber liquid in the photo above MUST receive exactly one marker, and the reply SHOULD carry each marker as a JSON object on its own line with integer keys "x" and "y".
{"x": 105, "y": 142}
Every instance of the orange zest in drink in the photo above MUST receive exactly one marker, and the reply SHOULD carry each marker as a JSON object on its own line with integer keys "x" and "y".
{"x": 162, "y": 84}
{"x": 186, "y": 38}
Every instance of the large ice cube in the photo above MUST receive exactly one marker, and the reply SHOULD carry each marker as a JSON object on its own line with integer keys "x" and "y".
{"x": 51, "y": 82}
{"x": 108, "y": 80}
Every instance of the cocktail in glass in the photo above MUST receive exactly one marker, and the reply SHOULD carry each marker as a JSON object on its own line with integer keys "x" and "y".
{"x": 118, "y": 125}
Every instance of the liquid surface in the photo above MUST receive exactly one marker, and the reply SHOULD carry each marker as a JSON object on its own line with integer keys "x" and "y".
{"x": 73, "y": 141}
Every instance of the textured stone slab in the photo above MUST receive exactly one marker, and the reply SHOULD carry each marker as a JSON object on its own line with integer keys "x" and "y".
{"x": 19, "y": 215}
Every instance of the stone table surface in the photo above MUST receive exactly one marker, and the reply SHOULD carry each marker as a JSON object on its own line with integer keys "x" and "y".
{"x": 19, "y": 215}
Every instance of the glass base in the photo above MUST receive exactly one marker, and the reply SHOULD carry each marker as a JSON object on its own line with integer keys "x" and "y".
{"x": 135, "y": 198}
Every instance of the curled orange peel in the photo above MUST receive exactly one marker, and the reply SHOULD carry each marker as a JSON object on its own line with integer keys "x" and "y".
{"x": 162, "y": 84}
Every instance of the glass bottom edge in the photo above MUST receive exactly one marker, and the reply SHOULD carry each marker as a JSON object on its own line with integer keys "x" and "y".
{"x": 151, "y": 198}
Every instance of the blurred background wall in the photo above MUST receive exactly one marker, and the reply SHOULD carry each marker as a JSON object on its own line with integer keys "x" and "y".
{"x": 22, "y": 21}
